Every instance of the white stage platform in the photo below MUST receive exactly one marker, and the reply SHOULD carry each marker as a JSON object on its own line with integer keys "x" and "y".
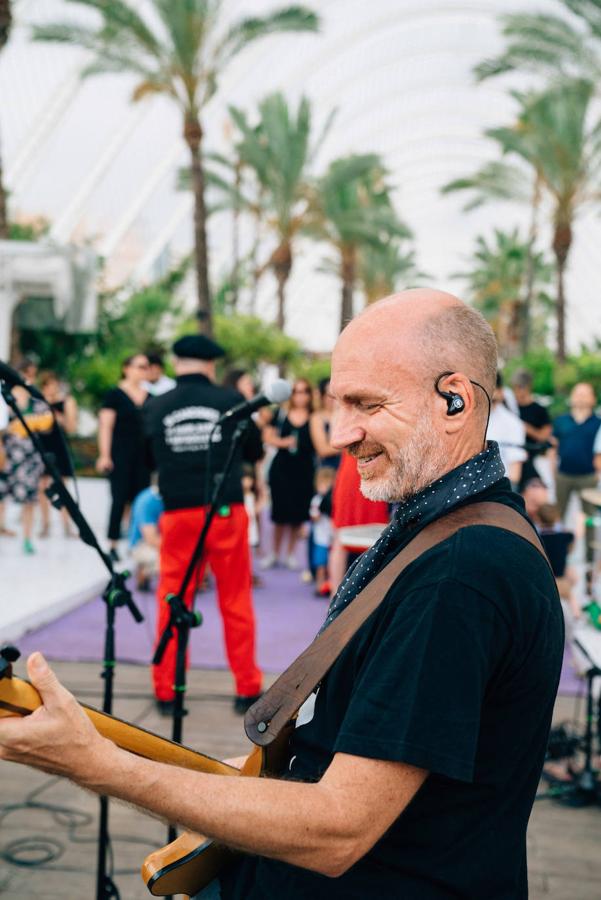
{"x": 62, "y": 574}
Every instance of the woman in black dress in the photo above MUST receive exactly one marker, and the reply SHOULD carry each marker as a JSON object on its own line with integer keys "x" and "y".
{"x": 292, "y": 471}
{"x": 121, "y": 444}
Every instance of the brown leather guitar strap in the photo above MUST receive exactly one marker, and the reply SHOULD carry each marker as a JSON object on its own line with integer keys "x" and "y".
{"x": 267, "y": 717}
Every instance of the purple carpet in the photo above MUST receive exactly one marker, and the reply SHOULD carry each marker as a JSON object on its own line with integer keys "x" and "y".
{"x": 288, "y": 617}
{"x": 570, "y": 684}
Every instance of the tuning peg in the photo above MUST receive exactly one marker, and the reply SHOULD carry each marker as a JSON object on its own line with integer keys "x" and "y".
{"x": 8, "y": 655}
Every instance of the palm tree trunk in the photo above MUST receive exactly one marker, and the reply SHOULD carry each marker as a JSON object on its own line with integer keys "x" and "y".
{"x": 235, "y": 275}
{"x": 562, "y": 241}
{"x": 281, "y": 262}
{"x": 347, "y": 273}
{"x": 281, "y": 315}
{"x": 256, "y": 277}
{"x": 530, "y": 268}
{"x": 254, "y": 256}
{"x": 193, "y": 138}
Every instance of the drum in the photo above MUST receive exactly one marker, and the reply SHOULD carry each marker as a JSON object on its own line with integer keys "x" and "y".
{"x": 357, "y": 538}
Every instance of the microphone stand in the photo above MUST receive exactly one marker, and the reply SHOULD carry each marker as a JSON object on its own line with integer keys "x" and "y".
{"x": 182, "y": 619}
{"x": 115, "y": 595}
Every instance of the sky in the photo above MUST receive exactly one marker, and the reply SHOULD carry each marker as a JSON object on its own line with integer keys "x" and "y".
{"x": 103, "y": 170}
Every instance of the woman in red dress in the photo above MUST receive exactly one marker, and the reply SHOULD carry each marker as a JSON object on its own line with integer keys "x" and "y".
{"x": 350, "y": 507}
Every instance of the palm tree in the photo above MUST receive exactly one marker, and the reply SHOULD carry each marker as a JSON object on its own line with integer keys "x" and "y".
{"x": 179, "y": 52}
{"x": 278, "y": 151}
{"x": 500, "y": 181}
{"x": 232, "y": 187}
{"x": 351, "y": 210}
{"x": 387, "y": 268}
{"x": 223, "y": 183}
{"x": 5, "y": 26}
{"x": 550, "y": 44}
{"x": 498, "y": 271}
{"x": 552, "y": 135}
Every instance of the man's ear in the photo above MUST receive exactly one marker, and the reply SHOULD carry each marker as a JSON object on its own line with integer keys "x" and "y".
{"x": 459, "y": 396}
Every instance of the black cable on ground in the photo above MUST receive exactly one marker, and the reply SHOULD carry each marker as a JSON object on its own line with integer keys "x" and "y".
{"x": 42, "y": 851}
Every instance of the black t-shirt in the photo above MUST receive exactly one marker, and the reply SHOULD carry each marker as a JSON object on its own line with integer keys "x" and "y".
{"x": 456, "y": 673}
{"x": 180, "y": 424}
{"x": 534, "y": 414}
{"x": 557, "y": 545}
{"x": 128, "y": 433}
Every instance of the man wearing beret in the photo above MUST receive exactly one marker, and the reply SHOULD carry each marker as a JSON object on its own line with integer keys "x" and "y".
{"x": 180, "y": 424}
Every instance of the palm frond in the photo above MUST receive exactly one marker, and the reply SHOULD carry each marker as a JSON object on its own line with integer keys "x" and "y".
{"x": 318, "y": 144}
{"x": 541, "y": 43}
{"x": 112, "y": 51}
{"x": 291, "y": 18}
{"x": 120, "y": 18}
{"x": 350, "y": 205}
{"x": 388, "y": 268}
{"x": 589, "y": 11}
{"x": 67, "y": 33}
{"x": 188, "y": 26}
{"x": 494, "y": 181}
{"x": 147, "y": 88}
{"x": 551, "y": 136}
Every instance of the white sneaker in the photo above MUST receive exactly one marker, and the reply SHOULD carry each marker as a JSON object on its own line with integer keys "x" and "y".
{"x": 292, "y": 564}
{"x": 269, "y": 562}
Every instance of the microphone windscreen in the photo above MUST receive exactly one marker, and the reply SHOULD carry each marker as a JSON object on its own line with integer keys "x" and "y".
{"x": 278, "y": 391}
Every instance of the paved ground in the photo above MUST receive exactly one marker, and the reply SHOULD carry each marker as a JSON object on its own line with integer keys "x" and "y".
{"x": 565, "y": 863}
{"x": 62, "y": 574}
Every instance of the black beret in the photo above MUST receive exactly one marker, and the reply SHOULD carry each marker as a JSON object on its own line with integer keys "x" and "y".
{"x": 197, "y": 346}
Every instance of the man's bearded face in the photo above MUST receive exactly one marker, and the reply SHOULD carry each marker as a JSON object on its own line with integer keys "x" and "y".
{"x": 394, "y": 474}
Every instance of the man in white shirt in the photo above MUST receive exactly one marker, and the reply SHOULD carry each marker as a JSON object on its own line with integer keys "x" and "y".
{"x": 508, "y": 431}
{"x": 157, "y": 383}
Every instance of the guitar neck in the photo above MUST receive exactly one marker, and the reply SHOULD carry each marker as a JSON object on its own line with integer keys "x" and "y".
{"x": 20, "y": 698}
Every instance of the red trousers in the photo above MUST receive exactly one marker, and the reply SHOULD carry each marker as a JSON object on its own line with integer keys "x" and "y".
{"x": 228, "y": 553}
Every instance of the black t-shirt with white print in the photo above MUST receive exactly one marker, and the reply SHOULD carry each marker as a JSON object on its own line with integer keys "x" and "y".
{"x": 180, "y": 424}
{"x": 456, "y": 673}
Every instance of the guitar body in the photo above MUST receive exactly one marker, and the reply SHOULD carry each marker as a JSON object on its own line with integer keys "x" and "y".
{"x": 192, "y": 861}
{"x": 189, "y": 863}
{"x": 186, "y": 866}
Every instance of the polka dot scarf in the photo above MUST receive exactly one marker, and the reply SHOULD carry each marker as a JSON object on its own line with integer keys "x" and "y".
{"x": 468, "y": 479}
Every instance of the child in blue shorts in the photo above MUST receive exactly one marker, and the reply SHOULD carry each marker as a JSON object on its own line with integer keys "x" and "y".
{"x": 323, "y": 529}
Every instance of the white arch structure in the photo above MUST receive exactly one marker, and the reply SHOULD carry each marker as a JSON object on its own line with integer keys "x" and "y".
{"x": 399, "y": 72}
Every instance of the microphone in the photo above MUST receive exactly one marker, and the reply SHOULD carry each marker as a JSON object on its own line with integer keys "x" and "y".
{"x": 277, "y": 392}
{"x": 11, "y": 377}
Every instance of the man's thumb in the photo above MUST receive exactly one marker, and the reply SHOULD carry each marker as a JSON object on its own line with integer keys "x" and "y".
{"x": 41, "y": 676}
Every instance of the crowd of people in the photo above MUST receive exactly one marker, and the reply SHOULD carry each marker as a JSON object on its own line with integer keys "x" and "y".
{"x": 312, "y": 490}
{"x": 160, "y": 446}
